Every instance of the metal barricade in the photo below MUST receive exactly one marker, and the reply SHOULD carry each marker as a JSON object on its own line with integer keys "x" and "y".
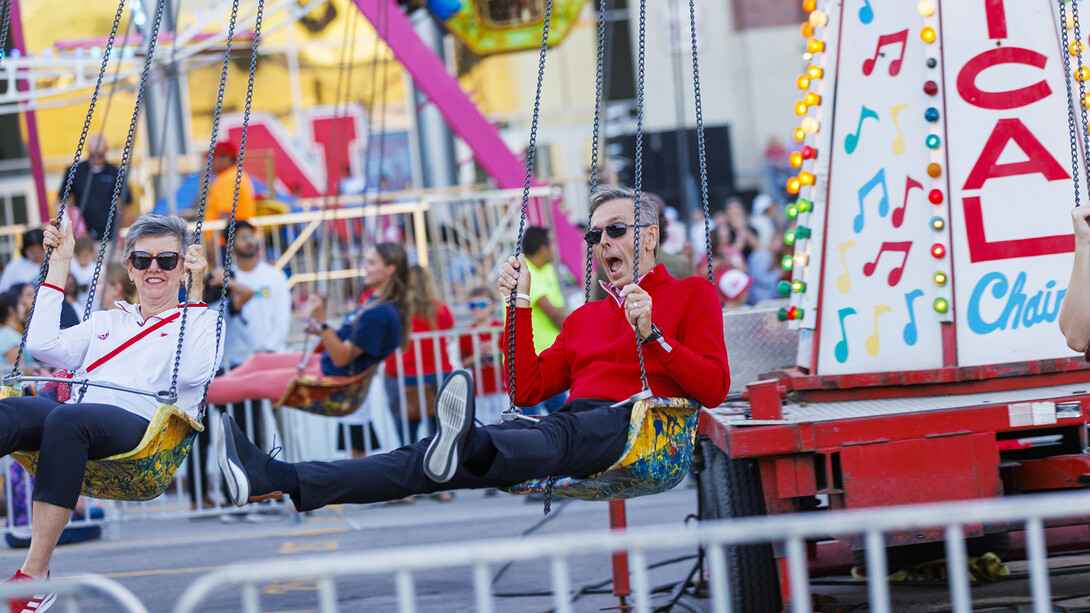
{"x": 404, "y": 566}
{"x": 75, "y": 591}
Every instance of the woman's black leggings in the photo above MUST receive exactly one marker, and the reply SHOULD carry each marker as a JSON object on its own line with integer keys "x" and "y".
{"x": 67, "y": 435}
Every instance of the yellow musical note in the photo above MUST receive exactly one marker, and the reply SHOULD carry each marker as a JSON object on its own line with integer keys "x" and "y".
{"x": 898, "y": 145}
{"x": 872, "y": 343}
{"x": 844, "y": 281}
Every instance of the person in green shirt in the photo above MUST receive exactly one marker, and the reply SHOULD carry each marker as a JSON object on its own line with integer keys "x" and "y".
{"x": 546, "y": 297}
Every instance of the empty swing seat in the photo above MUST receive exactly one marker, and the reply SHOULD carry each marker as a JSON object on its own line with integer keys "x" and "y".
{"x": 656, "y": 457}
{"x": 327, "y": 396}
{"x": 141, "y": 474}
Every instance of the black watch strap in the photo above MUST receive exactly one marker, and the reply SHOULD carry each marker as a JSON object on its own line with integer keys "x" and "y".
{"x": 655, "y": 335}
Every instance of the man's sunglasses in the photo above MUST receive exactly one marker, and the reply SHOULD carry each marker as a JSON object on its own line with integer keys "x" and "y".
{"x": 614, "y": 230}
{"x": 478, "y": 304}
{"x": 141, "y": 260}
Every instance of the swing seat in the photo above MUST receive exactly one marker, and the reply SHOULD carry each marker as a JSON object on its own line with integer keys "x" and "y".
{"x": 656, "y": 457}
{"x": 327, "y": 396}
{"x": 141, "y": 474}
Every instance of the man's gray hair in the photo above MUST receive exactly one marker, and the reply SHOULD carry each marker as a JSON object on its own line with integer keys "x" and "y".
{"x": 649, "y": 213}
{"x": 152, "y": 225}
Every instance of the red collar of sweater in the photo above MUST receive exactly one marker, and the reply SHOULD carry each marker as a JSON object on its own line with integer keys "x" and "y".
{"x": 651, "y": 279}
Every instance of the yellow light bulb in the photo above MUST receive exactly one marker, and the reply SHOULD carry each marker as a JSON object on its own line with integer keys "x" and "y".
{"x": 793, "y": 185}
{"x": 927, "y": 35}
{"x": 809, "y": 5}
{"x": 803, "y": 82}
{"x": 814, "y": 72}
{"x": 926, "y": 8}
{"x": 815, "y": 46}
{"x": 800, "y": 135}
{"x": 800, "y": 108}
{"x": 795, "y": 160}
{"x": 807, "y": 30}
{"x": 806, "y": 178}
{"x": 811, "y": 99}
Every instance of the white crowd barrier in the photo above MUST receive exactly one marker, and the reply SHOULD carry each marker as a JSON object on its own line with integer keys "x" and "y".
{"x": 85, "y": 593}
{"x": 407, "y": 567}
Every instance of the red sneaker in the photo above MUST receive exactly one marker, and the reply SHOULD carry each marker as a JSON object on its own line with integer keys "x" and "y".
{"x": 36, "y": 603}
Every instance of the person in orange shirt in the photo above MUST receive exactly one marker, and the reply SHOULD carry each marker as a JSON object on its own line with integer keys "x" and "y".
{"x": 221, "y": 193}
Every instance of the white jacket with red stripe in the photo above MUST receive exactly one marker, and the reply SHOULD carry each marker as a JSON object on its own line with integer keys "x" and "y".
{"x": 109, "y": 347}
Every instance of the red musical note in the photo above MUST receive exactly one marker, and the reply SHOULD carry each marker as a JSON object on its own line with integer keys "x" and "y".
{"x": 900, "y": 38}
{"x": 899, "y": 212}
{"x": 892, "y": 247}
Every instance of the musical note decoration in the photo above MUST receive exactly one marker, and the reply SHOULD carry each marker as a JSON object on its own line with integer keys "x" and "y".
{"x": 910, "y": 333}
{"x": 841, "y": 349}
{"x": 898, "y": 144}
{"x": 844, "y": 279}
{"x": 902, "y": 247}
{"x": 866, "y": 13}
{"x": 878, "y": 180}
{"x": 873, "y": 343}
{"x": 851, "y": 141}
{"x": 896, "y": 38}
{"x": 898, "y": 216}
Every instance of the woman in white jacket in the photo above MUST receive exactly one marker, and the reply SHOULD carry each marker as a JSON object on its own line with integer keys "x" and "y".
{"x": 134, "y": 346}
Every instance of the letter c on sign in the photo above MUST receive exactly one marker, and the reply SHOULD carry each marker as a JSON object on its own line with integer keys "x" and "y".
{"x": 1001, "y": 100}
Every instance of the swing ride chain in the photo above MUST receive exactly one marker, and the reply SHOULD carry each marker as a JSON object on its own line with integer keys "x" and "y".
{"x": 639, "y": 173}
{"x": 203, "y": 202}
{"x": 512, "y": 410}
{"x": 123, "y": 165}
{"x": 1071, "y": 126}
{"x": 1082, "y": 84}
{"x": 71, "y": 170}
{"x": 5, "y": 26}
{"x": 203, "y": 404}
{"x": 549, "y": 484}
{"x": 597, "y": 123}
{"x": 701, "y": 153}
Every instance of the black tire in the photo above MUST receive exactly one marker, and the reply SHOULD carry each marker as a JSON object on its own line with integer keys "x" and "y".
{"x": 731, "y": 488}
{"x": 905, "y": 556}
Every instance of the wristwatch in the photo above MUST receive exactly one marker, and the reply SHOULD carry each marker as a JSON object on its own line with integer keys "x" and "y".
{"x": 655, "y": 335}
{"x": 323, "y": 327}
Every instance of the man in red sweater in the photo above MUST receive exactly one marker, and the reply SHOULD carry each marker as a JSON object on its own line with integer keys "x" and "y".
{"x": 679, "y": 323}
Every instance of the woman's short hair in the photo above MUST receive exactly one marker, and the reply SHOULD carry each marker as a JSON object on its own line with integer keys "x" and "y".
{"x": 156, "y": 225}
{"x": 649, "y": 213}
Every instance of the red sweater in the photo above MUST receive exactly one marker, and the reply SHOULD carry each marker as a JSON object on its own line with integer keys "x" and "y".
{"x": 595, "y": 354}
{"x": 444, "y": 321}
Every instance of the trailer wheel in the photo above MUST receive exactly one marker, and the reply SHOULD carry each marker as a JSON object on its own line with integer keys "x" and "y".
{"x": 905, "y": 556}
{"x": 731, "y": 488}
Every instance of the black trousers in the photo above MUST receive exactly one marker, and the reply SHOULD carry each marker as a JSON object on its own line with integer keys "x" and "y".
{"x": 67, "y": 435}
{"x": 584, "y": 437}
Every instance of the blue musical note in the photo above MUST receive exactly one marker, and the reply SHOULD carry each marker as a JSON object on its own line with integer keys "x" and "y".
{"x": 879, "y": 179}
{"x": 910, "y": 334}
{"x": 851, "y": 141}
{"x": 841, "y": 349}
{"x": 866, "y": 13}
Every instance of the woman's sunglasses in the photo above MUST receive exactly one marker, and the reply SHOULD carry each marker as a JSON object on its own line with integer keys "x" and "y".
{"x": 141, "y": 260}
{"x": 478, "y": 304}
{"x": 614, "y": 230}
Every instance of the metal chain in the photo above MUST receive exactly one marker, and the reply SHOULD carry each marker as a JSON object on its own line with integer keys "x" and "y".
{"x": 227, "y": 258}
{"x": 530, "y": 149}
{"x": 1072, "y": 128}
{"x": 203, "y": 201}
{"x": 123, "y": 165}
{"x": 5, "y": 27}
{"x": 597, "y": 124}
{"x": 550, "y": 483}
{"x": 71, "y": 170}
{"x": 1082, "y": 84}
{"x": 638, "y": 179}
{"x": 701, "y": 154}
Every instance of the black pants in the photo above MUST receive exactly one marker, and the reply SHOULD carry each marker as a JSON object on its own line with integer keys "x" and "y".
{"x": 584, "y": 437}
{"x": 67, "y": 435}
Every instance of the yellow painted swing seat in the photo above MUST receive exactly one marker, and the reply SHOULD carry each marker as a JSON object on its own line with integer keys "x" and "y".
{"x": 327, "y": 396}
{"x": 656, "y": 457}
{"x": 141, "y": 474}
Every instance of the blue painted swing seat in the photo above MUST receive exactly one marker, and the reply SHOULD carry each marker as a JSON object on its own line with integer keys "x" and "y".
{"x": 661, "y": 433}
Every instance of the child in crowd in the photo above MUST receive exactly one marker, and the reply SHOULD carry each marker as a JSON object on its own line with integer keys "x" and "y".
{"x": 83, "y": 267}
{"x": 485, "y": 354}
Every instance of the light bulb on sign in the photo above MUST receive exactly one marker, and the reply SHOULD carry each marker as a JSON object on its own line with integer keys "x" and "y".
{"x": 939, "y": 278}
{"x": 803, "y": 82}
{"x": 818, "y": 19}
{"x": 801, "y": 259}
{"x": 814, "y": 72}
{"x": 806, "y": 178}
{"x": 926, "y": 8}
{"x": 795, "y": 160}
{"x": 811, "y": 99}
{"x": 941, "y": 305}
{"x": 927, "y": 35}
{"x": 815, "y": 46}
{"x": 800, "y": 108}
{"x": 800, "y": 135}
{"x": 810, "y": 125}
{"x": 793, "y": 185}
{"x": 938, "y": 251}
{"x": 937, "y": 223}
